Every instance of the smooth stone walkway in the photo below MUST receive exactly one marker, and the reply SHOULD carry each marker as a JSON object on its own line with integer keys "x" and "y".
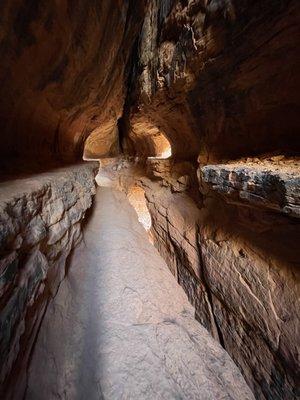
{"x": 120, "y": 327}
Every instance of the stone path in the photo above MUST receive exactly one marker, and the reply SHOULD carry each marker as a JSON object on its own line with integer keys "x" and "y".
{"x": 120, "y": 327}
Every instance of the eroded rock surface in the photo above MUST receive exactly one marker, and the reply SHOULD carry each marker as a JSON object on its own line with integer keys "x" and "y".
{"x": 239, "y": 268}
{"x": 213, "y": 83}
{"x": 269, "y": 184}
{"x": 210, "y": 77}
{"x": 63, "y": 75}
{"x": 238, "y": 265}
{"x": 121, "y": 327}
{"x": 40, "y": 224}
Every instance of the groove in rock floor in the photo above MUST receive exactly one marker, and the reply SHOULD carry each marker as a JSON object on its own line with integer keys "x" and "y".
{"x": 120, "y": 327}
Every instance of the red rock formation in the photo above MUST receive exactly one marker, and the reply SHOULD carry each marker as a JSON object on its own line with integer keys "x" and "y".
{"x": 40, "y": 224}
{"x": 211, "y": 73}
{"x": 63, "y": 79}
{"x": 218, "y": 81}
{"x": 63, "y": 75}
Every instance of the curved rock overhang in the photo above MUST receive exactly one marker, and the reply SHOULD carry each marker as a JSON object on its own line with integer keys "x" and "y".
{"x": 63, "y": 75}
{"x": 219, "y": 81}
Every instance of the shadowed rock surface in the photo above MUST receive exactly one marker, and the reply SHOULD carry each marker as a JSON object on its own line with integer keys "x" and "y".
{"x": 40, "y": 224}
{"x": 263, "y": 184}
{"x": 193, "y": 109}
{"x": 63, "y": 75}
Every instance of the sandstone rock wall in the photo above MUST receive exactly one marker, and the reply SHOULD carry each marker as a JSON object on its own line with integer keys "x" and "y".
{"x": 219, "y": 79}
{"x": 240, "y": 269}
{"x": 63, "y": 75}
{"x": 212, "y": 77}
{"x": 40, "y": 223}
{"x": 229, "y": 234}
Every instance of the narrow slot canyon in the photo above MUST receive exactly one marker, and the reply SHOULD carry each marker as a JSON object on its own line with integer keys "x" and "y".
{"x": 120, "y": 326}
{"x": 149, "y": 200}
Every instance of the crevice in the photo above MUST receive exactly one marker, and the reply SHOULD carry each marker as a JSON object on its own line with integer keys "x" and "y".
{"x": 215, "y": 326}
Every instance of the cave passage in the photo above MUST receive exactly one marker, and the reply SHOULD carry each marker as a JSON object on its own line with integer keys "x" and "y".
{"x": 172, "y": 270}
{"x": 121, "y": 327}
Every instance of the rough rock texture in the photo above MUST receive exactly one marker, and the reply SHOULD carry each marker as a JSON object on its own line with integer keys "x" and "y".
{"x": 211, "y": 78}
{"x": 120, "y": 327}
{"x": 269, "y": 184}
{"x": 238, "y": 265}
{"x": 63, "y": 75}
{"x": 40, "y": 223}
{"x": 220, "y": 80}
{"x": 240, "y": 271}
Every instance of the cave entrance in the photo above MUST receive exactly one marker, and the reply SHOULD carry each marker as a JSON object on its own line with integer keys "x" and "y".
{"x": 150, "y": 140}
{"x": 162, "y": 147}
{"x": 166, "y": 153}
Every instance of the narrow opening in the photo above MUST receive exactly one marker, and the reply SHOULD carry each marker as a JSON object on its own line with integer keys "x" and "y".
{"x": 136, "y": 197}
{"x": 162, "y": 146}
{"x": 166, "y": 153}
{"x": 105, "y": 176}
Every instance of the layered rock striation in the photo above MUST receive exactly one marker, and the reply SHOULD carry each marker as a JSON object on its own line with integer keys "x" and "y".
{"x": 40, "y": 223}
{"x": 212, "y": 83}
{"x": 239, "y": 268}
{"x": 63, "y": 76}
{"x": 211, "y": 79}
{"x": 262, "y": 183}
{"x": 121, "y": 327}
